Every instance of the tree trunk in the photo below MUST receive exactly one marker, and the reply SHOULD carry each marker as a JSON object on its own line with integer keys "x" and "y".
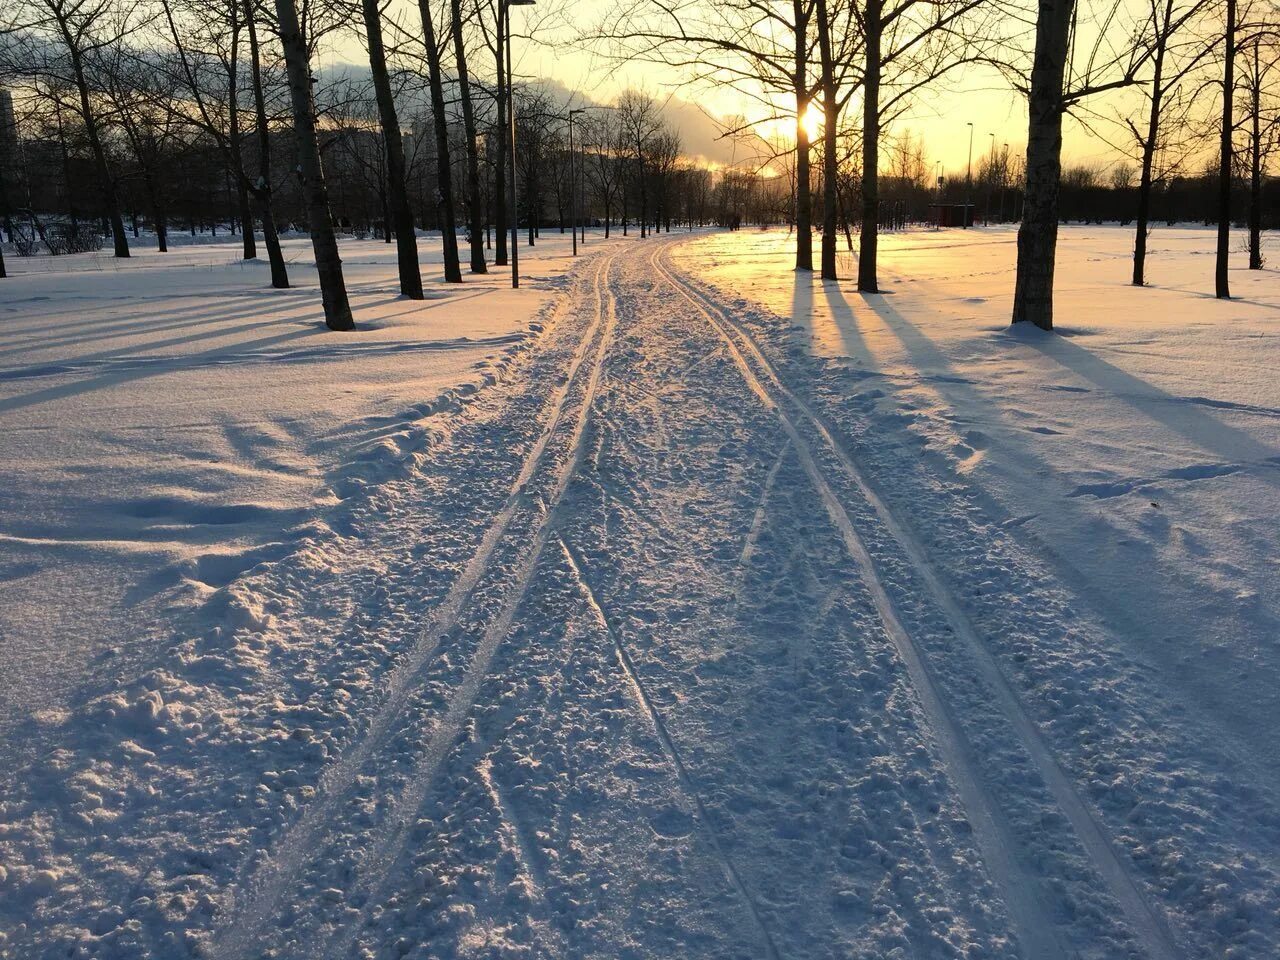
{"x": 1148, "y": 159}
{"x": 105, "y": 183}
{"x": 262, "y": 188}
{"x": 162, "y": 228}
{"x": 444, "y": 170}
{"x": 157, "y": 210}
{"x": 395, "y": 196}
{"x": 333, "y": 289}
{"x": 1222, "y": 284}
{"x": 830, "y": 121}
{"x": 474, "y": 210}
{"x": 804, "y": 150}
{"x": 1038, "y": 233}
{"x": 870, "y": 153}
{"x": 1255, "y": 165}
{"x": 500, "y": 162}
{"x": 249, "y": 245}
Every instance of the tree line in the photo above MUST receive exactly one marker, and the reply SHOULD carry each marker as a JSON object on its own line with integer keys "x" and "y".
{"x": 184, "y": 108}
{"x": 1165, "y": 82}
{"x": 182, "y": 113}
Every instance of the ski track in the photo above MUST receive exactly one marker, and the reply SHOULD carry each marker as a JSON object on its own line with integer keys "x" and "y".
{"x": 390, "y": 846}
{"x": 1028, "y": 912}
{"x": 618, "y": 391}
{"x": 549, "y": 935}
{"x": 269, "y": 886}
{"x": 690, "y": 790}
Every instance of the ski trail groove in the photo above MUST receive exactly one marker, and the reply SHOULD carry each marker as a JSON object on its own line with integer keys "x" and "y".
{"x": 1027, "y": 913}
{"x": 528, "y": 860}
{"x": 268, "y": 887}
{"x": 391, "y": 842}
{"x": 757, "y": 520}
{"x": 1147, "y": 924}
{"x": 673, "y": 754}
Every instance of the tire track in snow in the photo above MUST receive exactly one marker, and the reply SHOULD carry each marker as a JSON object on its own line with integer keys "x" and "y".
{"x": 1033, "y": 925}
{"x": 687, "y": 787}
{"x": 268, "y": 887}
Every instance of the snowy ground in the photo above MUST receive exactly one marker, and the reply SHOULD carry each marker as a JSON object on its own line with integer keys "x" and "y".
{"x": 700, "y": 631}
{"x": 170, "y": 421}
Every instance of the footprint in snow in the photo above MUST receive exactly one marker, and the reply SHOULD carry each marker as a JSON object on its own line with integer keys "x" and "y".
{"x": 671, "y": 823}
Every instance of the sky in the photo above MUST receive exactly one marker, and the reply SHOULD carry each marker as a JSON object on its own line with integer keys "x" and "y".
{"x": 941, "y": 116}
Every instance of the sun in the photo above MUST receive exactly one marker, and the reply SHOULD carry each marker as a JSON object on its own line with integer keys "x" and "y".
{"x": 811, "y": 120}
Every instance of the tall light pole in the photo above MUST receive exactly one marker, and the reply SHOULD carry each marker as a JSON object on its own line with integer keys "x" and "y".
{"x": 968, "y": 183}
{"x": 1004, "y": 177}
{"x": 573, "y": 193}
{"x": 937, "y": 183}
{"x": 991, "y": 173}
{"x": 504, "y": 10}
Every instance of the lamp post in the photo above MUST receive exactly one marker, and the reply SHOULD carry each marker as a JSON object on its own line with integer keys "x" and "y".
{"x": 991, "y": 174}
{"x": 1004, "y": 177}
{"x": 968, "y": 182}
{"x": 937, "y": 190}
{"x": 504, "y": 11}
{"x": 573, "y": 193}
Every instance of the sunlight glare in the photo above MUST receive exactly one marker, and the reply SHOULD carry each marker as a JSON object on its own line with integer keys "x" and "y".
{"x": 811, "y": 120}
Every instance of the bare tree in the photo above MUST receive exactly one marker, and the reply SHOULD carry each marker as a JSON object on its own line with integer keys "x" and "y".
{"x": 1221, "y": 278}
{"x": 1171, "y": 63}
{"x": 205, "y": 45}
{"x": 1260, "y": 94}
{"x": 444, "y": 168}
{"x": 602, "y": 168}
{"x": 141, "y": 99}
{"x": 82, "y": 29}
{"x": 401, "y": 217}
{"x": 475, "y": 212}
{"x": 1062, "y": 75}
{"x": 639, "y": 125}
{"x": 333, "y": 288}
{"x": 261, "y": 187}
{"x": 907, "y": 46}
{"x": 765, "y": 50}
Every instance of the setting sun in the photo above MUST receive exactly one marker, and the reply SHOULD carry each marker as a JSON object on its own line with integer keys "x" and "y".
{"x": 811, "y": 120}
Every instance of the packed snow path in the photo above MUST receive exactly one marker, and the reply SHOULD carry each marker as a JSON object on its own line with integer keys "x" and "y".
{"x": 660, "y": 652}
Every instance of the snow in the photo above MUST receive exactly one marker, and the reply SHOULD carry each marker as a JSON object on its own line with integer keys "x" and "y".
{"x": 171, "y": 422}
{"x": 681, "y": 609}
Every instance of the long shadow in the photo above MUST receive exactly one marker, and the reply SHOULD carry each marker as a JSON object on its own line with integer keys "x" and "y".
{"x": 1181, "y": 415}
{"x": 117, "y": 377}
{"x": 133, "y": 349}
{"x": 1110, "y": 599}
{"x": 128, "y": 327}
{"x": 88, "y": 331}
{"x": 1203, "y": 295}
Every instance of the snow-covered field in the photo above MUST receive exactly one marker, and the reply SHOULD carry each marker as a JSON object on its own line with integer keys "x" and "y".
{"x": 170, "y": 422}
{"x": 682, "y": 610}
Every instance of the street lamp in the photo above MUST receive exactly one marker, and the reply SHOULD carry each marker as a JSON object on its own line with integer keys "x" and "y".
{"x": 991, "y": 173}
{"x": 937, "y": 221}
{"x": 573, "y": 193}
{"x": 1004, "y": 178}
{"x": 504, "y": 14}
{"x": 968, "y": 182}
